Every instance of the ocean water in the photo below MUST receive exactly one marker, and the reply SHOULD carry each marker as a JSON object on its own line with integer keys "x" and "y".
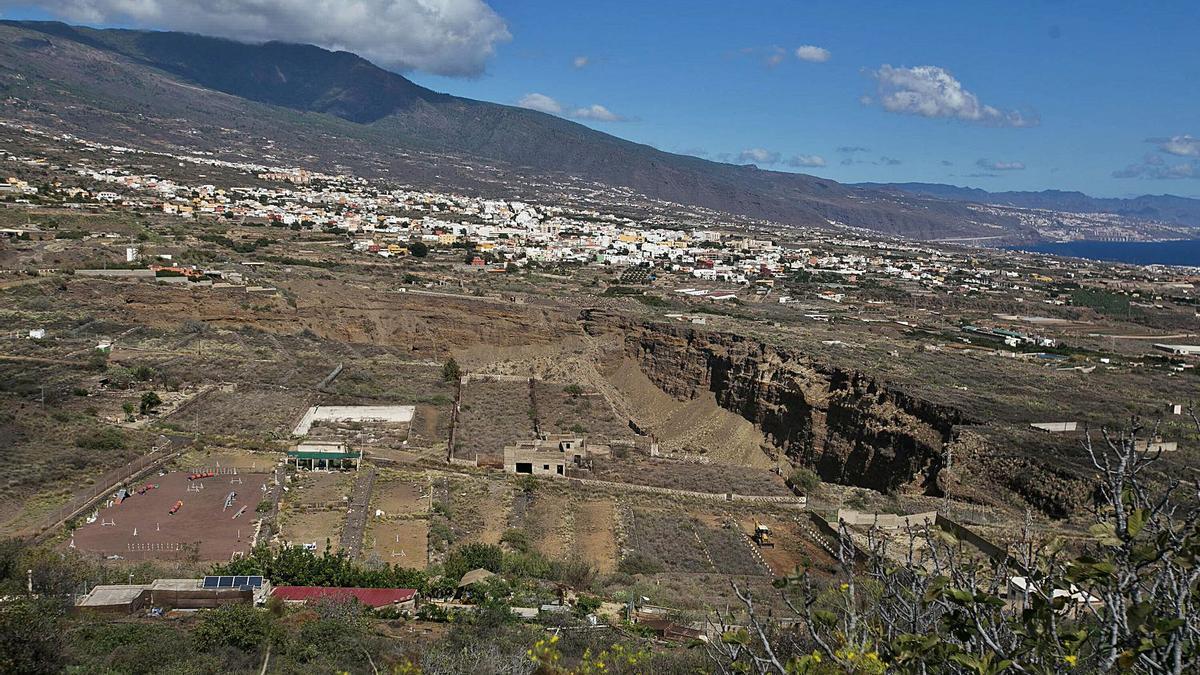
{"x": 1186, "y": 252}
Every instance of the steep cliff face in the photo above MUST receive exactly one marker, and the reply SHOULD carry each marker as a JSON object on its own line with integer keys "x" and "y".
{"x": 847, "y": 426}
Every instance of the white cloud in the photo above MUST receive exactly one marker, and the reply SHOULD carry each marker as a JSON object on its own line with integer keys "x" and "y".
{"x": 580, "y": 61}
{"x": 806, "y": 161}
{"x": 1155, "y": 167}
{"x": 813, "y": 54}
{"x": 930, "y": 91}
{"x": 775, "y": 56}
{"x": 1184, "y": 145}
{"x": 541, "y": 103}
{"x": 597, "y": 113}
{"x": 547, "y": 104}
{"x": 758, "y": 156}
{"x": 444, "y": 37}
{"x": 996, "y": 165}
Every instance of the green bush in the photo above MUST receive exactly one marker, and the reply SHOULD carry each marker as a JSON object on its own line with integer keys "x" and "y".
{"x": 106, "y": 438}
{"x": 471, "y": 557}
{"x": 804, "y": 479}
{"x": 636, "y": 563}
{"x": 239, "y": 626}
{"x": 450, "y": 371}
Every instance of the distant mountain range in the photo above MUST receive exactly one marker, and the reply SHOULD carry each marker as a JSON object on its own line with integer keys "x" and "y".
{"x": 1163, "y": 208}
{"x": 335, "y": 109}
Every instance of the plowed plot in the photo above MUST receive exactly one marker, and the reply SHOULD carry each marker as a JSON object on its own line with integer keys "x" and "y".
{"x": 668, "y": 539}
{"x": 595, "y": 538}
{"x": 246, "y": 411}
{"x": 202, "y": 527}
{"x": 551, "y": 524}
{"x": 792, "y": 547}
{"x": 570, "y": 408}
{"x": 397, "y": 542}
{"x": 494, "y": 414}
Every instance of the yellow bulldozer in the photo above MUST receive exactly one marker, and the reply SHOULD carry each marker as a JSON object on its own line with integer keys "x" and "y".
{"x": 762, "y": 535}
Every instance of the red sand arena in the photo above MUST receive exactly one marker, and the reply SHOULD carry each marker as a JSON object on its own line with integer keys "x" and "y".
{"x": 202, "y": 526}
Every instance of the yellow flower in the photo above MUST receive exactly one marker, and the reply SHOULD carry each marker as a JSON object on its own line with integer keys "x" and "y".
{"x": 1071, "y": 659}
{"x": 845, "y": 587}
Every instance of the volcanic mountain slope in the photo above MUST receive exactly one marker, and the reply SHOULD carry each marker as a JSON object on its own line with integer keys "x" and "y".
{"x": 189, "y": 90}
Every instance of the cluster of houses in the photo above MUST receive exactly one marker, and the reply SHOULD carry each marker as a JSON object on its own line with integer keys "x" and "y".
{"x": 502, "y": 233}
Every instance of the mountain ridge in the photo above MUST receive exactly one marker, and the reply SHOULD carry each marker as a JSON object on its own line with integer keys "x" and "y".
{"x": 183, "y": 88}
{"x": 1165, "y": 207}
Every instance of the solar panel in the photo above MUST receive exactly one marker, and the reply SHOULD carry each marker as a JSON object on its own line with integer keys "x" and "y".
{"x": 246, "y": 581}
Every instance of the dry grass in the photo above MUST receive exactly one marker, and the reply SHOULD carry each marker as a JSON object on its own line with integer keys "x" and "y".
{"x": 680, "y": 475}
{"x": 668, "y": 539}
{"x": 563, "y": 408}
{"x": 494, "y": 414}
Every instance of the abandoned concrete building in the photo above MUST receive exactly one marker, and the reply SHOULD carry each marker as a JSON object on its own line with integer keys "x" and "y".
{"x": 554, "y": 455}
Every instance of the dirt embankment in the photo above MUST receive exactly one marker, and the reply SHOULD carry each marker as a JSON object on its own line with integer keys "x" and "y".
{"x": 847, "y": 425}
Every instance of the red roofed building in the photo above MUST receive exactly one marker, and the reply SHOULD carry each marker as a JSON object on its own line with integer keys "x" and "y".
{"x": 404, "y": 598}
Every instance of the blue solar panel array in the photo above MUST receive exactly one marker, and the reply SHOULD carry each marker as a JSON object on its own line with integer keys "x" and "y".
{"x": 233, "y": 582}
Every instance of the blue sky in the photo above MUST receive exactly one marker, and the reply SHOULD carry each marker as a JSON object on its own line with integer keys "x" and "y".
{"x": 1102, "y": 97}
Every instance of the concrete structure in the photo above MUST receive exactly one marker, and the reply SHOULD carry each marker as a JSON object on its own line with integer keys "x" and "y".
{"x": 387, "y": 414}
{"x": 1055, "y": 427}
{"x": 136, "y": 274}
{"x": 114, "y": 599}
{"x": 1157, "y": 445}
{"x": 551, "y": 456}
{"x": 1179, "y": 350}
{"x": 164, "y": 594}
{"x": 324, "y": 455}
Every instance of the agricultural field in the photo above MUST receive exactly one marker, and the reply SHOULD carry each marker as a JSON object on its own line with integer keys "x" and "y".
{"x": 793, "y": 546}
{"x": 398, "y": 519}
{"x": 401, "y": 493}
{"x": 314, "y": 508}
{"x": 468, "y": 509}
{"x": 728, "y": 547}
{"x": 246, "y": 411}
{"x": 666, "y": 541}
{"x": 494, "y": 414}
{"x": 678, "y": 475}
{"x": 397, "y": 541}
{"x": 595, "y": 533}
{"x": 387, "y": 380}
{"x": 563, "y": 523}
{"x": 571, "y": 408}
